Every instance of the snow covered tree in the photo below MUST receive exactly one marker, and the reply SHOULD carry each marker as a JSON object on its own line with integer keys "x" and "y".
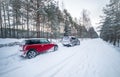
{"x": 110, "y": 30}
{"x": 16, "y": 5}
{"x": 67, "y": 22}
{"x": 87, "y": 30}
{"x": 92, "y": 33}
{"x": 52, "y": 11}
{"x": 37, "y": 18}
{"x": 86, "y": 19}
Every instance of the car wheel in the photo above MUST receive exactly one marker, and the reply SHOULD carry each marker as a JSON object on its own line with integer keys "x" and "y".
{"x": 31, "y": 54}
{"x": 55, "y": 48}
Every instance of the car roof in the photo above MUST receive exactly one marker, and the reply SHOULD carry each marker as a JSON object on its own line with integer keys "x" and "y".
{"x": 35, "y": 38}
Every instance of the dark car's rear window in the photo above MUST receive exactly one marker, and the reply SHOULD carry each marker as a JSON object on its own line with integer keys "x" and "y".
{"x": 66, "y": 38}
{"x": 38, "y": 41}
{"x": 44, "y": 41}
{"x": 73, "y": 38}
{"x": 32, "y": 41}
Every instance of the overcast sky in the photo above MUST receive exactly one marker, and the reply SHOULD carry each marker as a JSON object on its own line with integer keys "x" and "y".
{"x": 95, "y": 7}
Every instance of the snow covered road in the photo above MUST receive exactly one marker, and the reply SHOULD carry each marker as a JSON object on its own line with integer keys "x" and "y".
{"x": 93, "y": 58}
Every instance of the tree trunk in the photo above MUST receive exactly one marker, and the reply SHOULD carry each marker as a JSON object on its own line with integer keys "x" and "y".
{"x": 27, "y": 19}
{"x": 13, "y": 30}
{"x": 16, "y": 22}
{"x": 8, "y": 21}
{"x": 114, "y": 42}
{"x": 38, "y": 20}
{"x": 1, "y": 21}
{"x": 5, "y": 27}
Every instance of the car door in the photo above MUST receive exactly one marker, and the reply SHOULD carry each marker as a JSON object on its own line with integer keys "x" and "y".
{"x": 46, "y": 45}
{"x": 34, "y": 44}
{"x": 37, "y": 46}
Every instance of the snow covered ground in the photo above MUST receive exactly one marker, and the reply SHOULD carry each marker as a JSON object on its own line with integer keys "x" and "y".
{"x": 93, "y": 58}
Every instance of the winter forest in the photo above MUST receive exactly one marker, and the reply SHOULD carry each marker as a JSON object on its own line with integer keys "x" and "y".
{"x": 41, "y": 18}
{"x": 45, "y": 19}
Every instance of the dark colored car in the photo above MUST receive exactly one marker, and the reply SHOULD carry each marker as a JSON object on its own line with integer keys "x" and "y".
{"x": 70, "y": 41}
{"x": 31, "y": 47}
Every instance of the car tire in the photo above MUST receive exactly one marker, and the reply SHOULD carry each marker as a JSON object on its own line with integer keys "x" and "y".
{"x": 31, "y": 54}
{"x": 55, "y": 48}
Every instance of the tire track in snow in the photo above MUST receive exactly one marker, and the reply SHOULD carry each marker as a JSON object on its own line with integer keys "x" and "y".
{"x": 66, "y": 64}
{"x": 57, "y": 67}
{"x": 83, "y": 65}
{"x": 9, "y": 70}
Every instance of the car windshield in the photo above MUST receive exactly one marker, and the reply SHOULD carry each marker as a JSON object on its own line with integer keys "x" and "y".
{"x": 66, "y": 38}
{"x": 32, "y": 41}
{"x": 73, "y": 38}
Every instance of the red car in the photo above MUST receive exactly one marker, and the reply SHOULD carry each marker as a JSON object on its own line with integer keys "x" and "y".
{"x": 32, "y": 47}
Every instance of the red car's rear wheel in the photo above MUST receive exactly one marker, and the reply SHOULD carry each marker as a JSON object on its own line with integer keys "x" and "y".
{"x": 31, "y": 54}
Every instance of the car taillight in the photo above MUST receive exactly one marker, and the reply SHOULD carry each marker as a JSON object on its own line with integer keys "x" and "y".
{"x": 24, "y": 47}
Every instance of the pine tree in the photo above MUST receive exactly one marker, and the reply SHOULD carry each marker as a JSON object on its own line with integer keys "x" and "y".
{"x": 92, "y": 33}
{"x": 67, "y": 22}
{"x": 110, "y": 30}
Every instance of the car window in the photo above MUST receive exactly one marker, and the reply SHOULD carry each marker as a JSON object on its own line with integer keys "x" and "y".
{"x": 73, "y": 38}
{"x": 32, "y": 42}
{"x": 66, "y": 38}
{"x": 27, "y": 42}
{"x": 36, "y": 41}
{"x": 44, "y": 41}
